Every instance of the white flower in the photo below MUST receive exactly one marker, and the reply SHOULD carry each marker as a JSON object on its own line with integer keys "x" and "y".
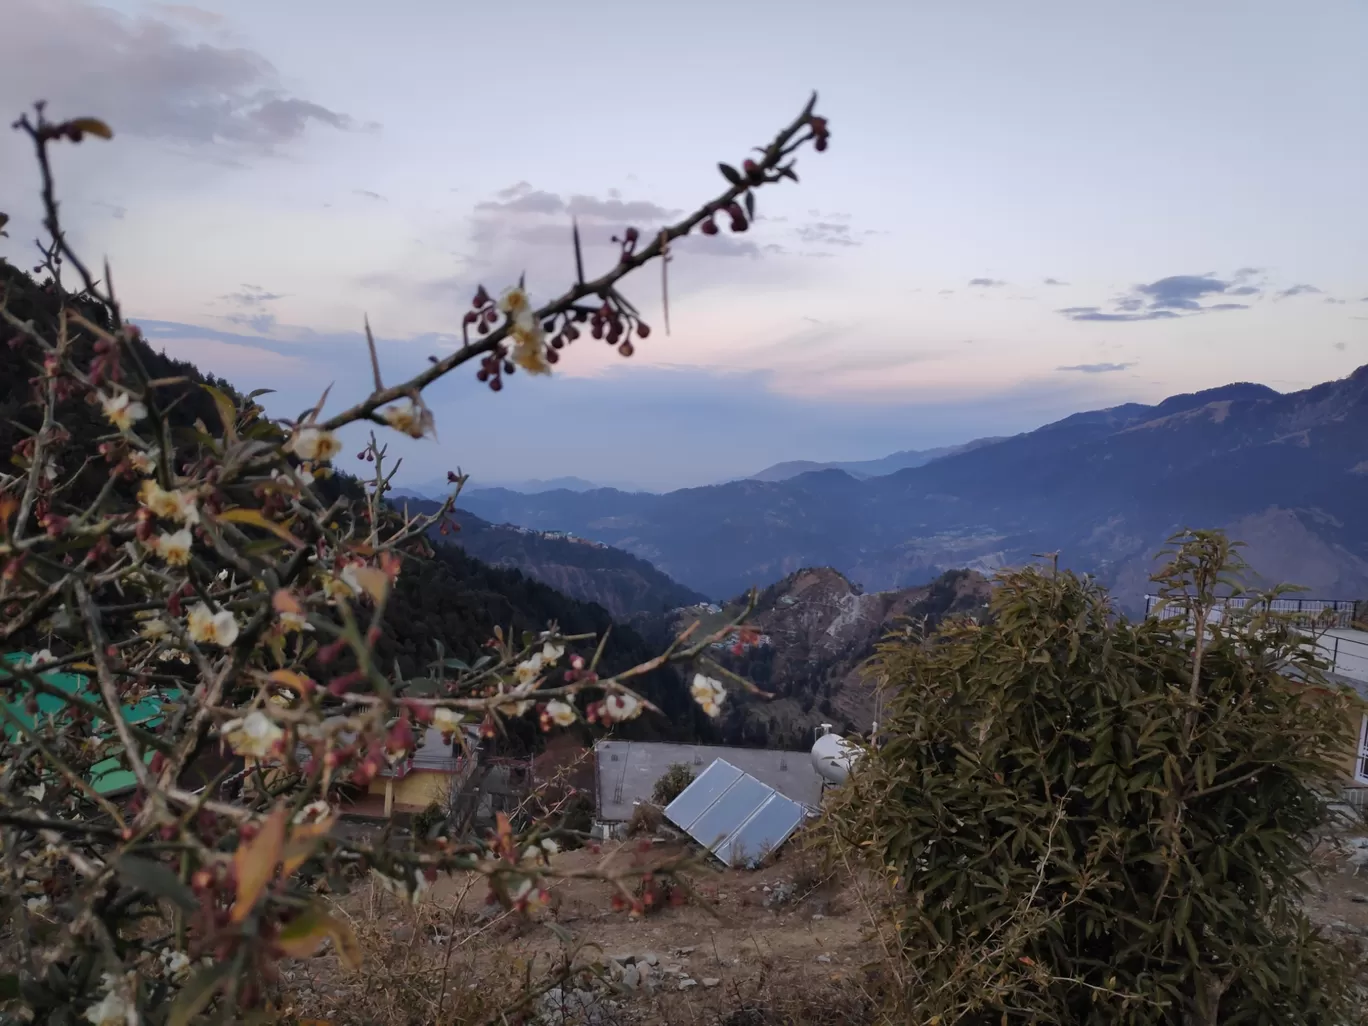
{"x": 515, "y": 301}
{"x": 708, "y": 693}
{"x": 550, "y": 846}
{"x": 314, "y": 812}
{"x": 175, "y": 964}
{"x": 155, "y": 628}
{"x": 411, "y": 419}
{"x": 621, "y": 707}
{"x": 515, "y": 709}
{"x": 143, "y": 462}
{"x": 448, "y": 721}
{"x": 335, "y": 588}
{"x": 550, "y": 653}
{"x": 350, "y": 579}
{"x": 36, "y": 792}
{"x": 112, "y": 1009}
{"x": 173, "y": 547}
{"x": 562, "y": 713}
{"x": 315, "y": 444}
{"x": 122, "y": 410}
{"x": 187, "y": 512}
{"x": 177, "y": 505}
{"x": 254, "y": 735}
{"x": 526, "y": 671}
{"x": 212, "y": 628}
{"x": 39, "y": 658}
{"x": 294, "y": 622}
{"x": 529, "y": 344}
{"x": 38, "y": 904}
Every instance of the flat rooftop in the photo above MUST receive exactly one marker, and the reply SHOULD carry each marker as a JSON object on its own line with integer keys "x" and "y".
{"x": 626, "y": 771}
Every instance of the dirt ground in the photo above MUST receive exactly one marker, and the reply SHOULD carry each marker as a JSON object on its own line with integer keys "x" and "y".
{"x": 752, "y": 940}
{"x": 774, "y": 945}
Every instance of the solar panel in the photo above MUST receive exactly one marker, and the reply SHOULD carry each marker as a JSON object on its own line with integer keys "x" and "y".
{"x": 735, "y": 816}
{"x": 706, "y": 788}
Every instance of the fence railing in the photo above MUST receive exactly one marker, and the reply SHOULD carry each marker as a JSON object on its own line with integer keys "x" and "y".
{"x": 1329, "y": 622}
{"x": 1326, "y": 612}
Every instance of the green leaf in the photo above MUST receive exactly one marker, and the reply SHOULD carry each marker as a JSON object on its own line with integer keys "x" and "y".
{"x": 750, "y": 205}
{"x": 260, "y": 391}
{"x": 226, "y": 410}
{"x": 730, "y": 173}
{"x": 156, "y": 879}
{"x": 302, "y": 936}
{"x": 198, "y": 991}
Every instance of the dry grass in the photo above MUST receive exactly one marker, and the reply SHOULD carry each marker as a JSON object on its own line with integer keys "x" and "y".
{"x": 449, "y": 961}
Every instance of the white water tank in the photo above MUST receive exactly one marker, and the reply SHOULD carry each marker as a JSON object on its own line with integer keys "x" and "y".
{"x": 833, "y": 755}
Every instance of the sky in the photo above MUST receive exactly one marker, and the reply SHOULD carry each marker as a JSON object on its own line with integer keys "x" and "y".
{"x": 1026, "y": 210}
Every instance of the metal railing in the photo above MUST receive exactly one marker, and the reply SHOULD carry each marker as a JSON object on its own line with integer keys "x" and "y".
{"x": 1344, "y": 653}
{"x": 1340, "y": 613}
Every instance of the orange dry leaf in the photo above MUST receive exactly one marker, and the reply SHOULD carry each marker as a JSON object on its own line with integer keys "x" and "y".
{"x": 255, "y": 862}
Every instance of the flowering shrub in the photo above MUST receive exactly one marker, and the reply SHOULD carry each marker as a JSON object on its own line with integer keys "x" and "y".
{"x": 170, "y": 546}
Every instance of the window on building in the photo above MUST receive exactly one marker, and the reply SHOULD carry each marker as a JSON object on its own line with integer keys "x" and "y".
{"x": 1361, "y": 764}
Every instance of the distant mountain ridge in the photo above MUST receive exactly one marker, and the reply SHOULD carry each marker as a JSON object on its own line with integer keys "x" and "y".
{"x": 1286, "y": 472}
{"x": 438, "y": 490}
{"x": 589, "y": 571}
{"x": 861, "y": 469}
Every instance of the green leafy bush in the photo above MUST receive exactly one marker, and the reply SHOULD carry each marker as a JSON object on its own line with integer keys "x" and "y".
{"x": 672, "y": 783}
{"x": 1086, "y": 820}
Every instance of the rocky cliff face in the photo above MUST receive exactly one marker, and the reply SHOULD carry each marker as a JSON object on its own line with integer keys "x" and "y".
{"x": 816, "y": 631}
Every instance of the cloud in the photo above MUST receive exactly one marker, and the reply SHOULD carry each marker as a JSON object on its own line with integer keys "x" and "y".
{"x": 1055, "y": 281}
{"x": 250, "y": 308}
{"x": 1097, "y": 368}
{"x": 1093, "y": 313}
{"x": 366, "y": 193}
{"x": 827, "y": 233}
{"x": 1333, "y": 300}
{"x": 115, "y": 210}
{"x": 1178, "y": 295}
{"x": 1298, "y": 290}
{"x": 987, "y": 283}
{"x": 154, "y": 76}
{"x": 1339, "y": 346}
{"x": 252, "y": 295}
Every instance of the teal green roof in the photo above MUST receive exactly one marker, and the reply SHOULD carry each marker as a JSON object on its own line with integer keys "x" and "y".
{"x": 110, "y": 775}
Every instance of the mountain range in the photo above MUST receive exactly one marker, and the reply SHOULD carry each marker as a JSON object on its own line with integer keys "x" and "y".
{"x": 862, "y": 469}
{"x": 623, "y": 584}
{"x": 1285, "y": 473}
